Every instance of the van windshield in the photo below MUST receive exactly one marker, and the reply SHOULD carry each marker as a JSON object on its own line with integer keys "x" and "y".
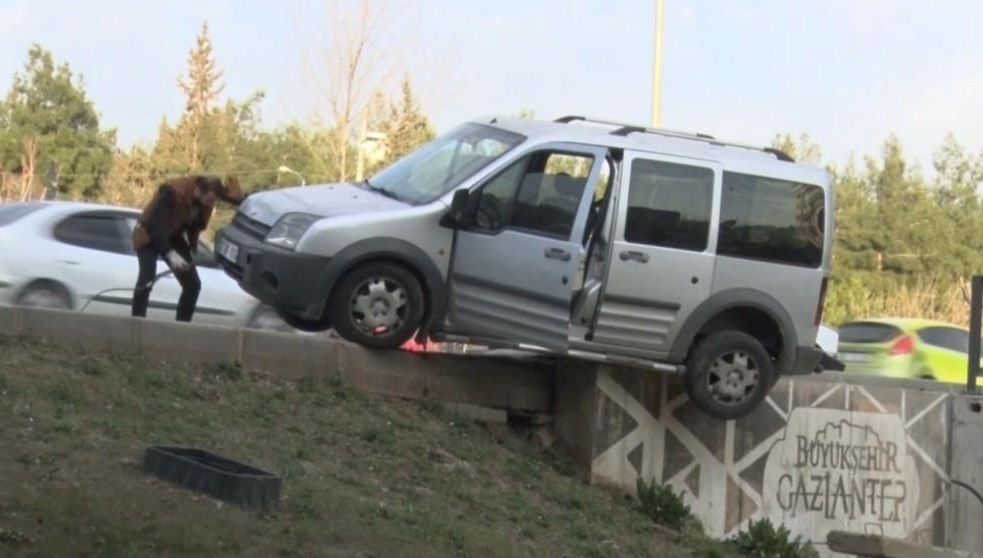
{"x": 442, "y": 164}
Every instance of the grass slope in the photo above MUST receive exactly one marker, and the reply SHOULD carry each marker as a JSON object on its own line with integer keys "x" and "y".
{"x": 363, "y": 476}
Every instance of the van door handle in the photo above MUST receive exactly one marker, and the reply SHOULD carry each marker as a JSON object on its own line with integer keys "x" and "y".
{"x": 634, "y": 255}
{"x": 558, "y": 254}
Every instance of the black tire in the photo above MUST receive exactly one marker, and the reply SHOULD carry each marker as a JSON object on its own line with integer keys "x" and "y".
{"x": 45, "y": 294}
{"x": 734, "y": 396}
{"x": 396, "y": 295}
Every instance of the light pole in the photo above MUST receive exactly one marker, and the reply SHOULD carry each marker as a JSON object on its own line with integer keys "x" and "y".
{"x": 284, "y": 168}
{"x": 657, "y": 68}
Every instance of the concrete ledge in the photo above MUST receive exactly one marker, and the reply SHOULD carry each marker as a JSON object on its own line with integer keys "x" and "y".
{"x": 874, "y": 546}
{"x": 497, "y": 383}
{"x": 477, "y": 413}
{"x": 867, "y": 380}
{"x": 87, "y": 332}
{"x": 524, "y": 386}
{"x": 288, "y": 355}
{"x": 386, "y": 372}
{"x": 185, "y": 343}
{"x": 11, "y": 319}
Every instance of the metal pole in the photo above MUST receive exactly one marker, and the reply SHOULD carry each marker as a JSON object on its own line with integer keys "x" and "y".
{"x": 51, "y": 183}
{"x": 360, "y": 167}
{"x": 657, "y": 68}
{"x": 975, "y": 312}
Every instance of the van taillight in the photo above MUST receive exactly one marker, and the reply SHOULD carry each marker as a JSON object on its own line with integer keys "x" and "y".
{"x": 903, "y": 346}
{"x": 822, "y": 300}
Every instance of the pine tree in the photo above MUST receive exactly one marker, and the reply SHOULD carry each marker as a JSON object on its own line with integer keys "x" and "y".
{"x": 201, "y": 87}
{"x": 801, "y": 149}
{"x": 406, "y": 127}
{"x": 48, "y": 122}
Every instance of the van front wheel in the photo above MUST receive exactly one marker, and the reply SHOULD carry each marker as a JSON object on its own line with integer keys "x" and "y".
{"x": 377, "y": 305}
{"x": 728, "y": 375}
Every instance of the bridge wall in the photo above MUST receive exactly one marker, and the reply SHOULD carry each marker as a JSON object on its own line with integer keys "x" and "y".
{"x": 825, "y": 452}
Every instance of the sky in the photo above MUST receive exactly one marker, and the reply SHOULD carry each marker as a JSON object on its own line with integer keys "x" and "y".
{"x": 847, "y": 72}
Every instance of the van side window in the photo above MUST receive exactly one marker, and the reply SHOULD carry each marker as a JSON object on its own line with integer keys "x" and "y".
{"x": 539, "y": 193}
{"x": 669, "y": 205}
{"x": 771, "y": 220}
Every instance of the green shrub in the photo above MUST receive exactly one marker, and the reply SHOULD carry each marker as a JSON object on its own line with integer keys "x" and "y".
{"x": 662, "y": 505}
{"x": 763, "y": 540}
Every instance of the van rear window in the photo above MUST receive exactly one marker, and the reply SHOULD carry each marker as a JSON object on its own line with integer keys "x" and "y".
{"x": 772, "y": 220}
{"x": 868, "y": 332}
{"x": 15, "y": 211}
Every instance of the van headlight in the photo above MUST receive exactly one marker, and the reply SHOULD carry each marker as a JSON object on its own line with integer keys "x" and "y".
{"x": 287, "y": 231}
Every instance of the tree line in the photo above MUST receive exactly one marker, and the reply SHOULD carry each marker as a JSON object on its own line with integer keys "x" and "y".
{"x": 50, "y": 133}
{"x": 904, "y": 245}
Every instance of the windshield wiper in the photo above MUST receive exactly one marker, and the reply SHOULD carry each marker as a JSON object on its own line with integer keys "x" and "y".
{"x": 388, "y": 193}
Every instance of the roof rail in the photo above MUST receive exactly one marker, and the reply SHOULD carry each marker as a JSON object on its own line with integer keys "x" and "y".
{"x": 624, "y": 129}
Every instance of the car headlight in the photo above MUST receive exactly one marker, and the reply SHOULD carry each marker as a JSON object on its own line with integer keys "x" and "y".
{"x": 288, "y": 230}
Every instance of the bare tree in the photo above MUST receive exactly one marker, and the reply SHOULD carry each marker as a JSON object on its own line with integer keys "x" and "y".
{"x": 345, "y": 63}
{"x": 28, "y": 162}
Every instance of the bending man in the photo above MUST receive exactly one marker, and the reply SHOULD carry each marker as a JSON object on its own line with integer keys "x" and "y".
{"x": 169, "y": 227}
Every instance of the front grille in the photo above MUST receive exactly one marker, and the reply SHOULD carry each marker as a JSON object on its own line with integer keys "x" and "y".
{"x": 250, "y": 226}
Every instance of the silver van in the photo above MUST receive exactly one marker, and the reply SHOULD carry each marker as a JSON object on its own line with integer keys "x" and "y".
{"x": 585, "y": 238}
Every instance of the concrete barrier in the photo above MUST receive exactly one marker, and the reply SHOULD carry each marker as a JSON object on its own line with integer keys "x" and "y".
{"x": 503, "y": 384}
{"x": 825, "y": 452}
{"x": 873, "y": 546}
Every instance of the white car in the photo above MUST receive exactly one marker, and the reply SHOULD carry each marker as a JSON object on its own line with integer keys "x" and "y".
{"x": 79, "y": 256}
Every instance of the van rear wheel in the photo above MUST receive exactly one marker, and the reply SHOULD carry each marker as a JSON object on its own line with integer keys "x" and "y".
{"x": 728, "y": 375}
{"x": 377, "y": 305}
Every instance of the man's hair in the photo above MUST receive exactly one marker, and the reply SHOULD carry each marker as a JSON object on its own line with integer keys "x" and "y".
{"x": 230, "y": 190}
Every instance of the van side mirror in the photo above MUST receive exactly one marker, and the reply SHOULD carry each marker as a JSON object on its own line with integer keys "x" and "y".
{"x": 457, "y": 217}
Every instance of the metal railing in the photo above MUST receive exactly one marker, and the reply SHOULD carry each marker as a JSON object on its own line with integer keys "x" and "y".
{"x": 625, "y": 128}
{"x": 975, "y": 314}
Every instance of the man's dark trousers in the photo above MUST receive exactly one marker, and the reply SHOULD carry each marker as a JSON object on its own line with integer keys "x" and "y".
{"x": 189, "y": 280}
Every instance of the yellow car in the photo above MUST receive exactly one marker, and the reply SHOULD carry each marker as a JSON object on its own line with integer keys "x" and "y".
{"x": 905, "y": 348}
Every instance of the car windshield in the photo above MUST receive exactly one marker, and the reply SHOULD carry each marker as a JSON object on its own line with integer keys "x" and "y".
{"x": 439, "y": 166}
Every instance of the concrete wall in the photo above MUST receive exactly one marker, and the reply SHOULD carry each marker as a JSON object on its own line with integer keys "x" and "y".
{"x": 825, "y": 452}
{"x": 506, "y": 384}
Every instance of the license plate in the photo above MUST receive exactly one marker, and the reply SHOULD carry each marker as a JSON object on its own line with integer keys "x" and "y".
{"x": 854, "y": 357}
{"x": 228, "y": 250}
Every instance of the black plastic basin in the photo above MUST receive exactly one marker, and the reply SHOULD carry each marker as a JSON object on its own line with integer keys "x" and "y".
{"x": 217, "y": 476}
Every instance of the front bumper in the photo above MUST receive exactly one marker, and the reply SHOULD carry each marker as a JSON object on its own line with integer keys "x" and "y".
{"x": 283, "y": 279}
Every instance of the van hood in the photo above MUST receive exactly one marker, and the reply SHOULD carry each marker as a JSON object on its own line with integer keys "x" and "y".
{"x": 327, "y": 200}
